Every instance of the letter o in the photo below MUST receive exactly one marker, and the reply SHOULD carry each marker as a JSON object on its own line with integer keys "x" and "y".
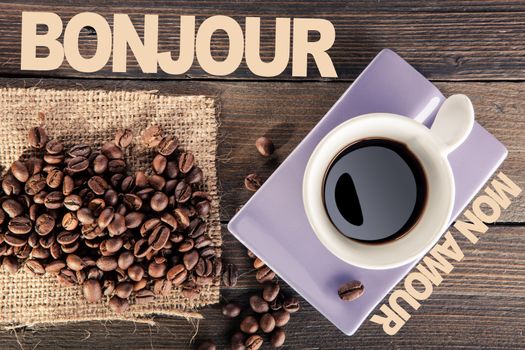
{"x": 103, "y": 51}
{"x": 203, "y": 45}
{"x": 409, "y": 286}
{"x": 496, "y": 210}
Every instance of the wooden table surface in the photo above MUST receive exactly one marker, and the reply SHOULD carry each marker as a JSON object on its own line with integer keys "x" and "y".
{"x": 473, "y": 47}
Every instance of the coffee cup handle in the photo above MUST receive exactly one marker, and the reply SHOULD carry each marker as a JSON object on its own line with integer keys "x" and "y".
{"x": 453, "y": 122}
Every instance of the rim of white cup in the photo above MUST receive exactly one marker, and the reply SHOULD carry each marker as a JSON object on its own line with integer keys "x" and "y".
{"x": 439, "y": 203}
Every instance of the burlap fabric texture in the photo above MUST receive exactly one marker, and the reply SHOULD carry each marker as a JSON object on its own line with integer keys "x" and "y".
{"x": 92, "y": 117}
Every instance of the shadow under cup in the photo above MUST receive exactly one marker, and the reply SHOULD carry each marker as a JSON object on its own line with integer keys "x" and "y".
{"x": 375, "y": 190}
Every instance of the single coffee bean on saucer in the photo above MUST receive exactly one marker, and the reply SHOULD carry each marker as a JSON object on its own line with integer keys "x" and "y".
{"x": 351, "y": 290}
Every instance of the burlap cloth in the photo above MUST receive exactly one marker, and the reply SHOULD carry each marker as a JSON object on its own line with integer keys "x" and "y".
{"x": 92, "y": 117}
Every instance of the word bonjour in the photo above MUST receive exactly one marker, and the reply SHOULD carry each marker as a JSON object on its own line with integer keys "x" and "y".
{"x": 146, "y": 51}
{"x": 486, "y": 209}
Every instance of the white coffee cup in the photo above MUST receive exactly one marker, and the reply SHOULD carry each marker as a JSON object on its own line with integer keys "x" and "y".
{"x": 452, "y": 125}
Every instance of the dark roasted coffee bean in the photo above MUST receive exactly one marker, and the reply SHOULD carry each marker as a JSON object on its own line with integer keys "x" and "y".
{"x": 35, "y": 267}
{"x": 34, "y": 165}
{"x": 68, "y": 185}
{"x": 199, "y": 230}
{"x": 133, "y": 219}
{"x": 55, "y": 266}
{"x": 217, "y": 267}
{"x": 77, "y": 165}
{"x": 231, "y": 310}
{"x": 132, "y": 201}
{"x": 15, "y": 240}
{"x": 95, "y": 273}
{"x": 54, "y": 200}
{"x": 116, "y": 180}
{"x": 10, "y": 264}
{"x": 183, "y": 220}
{"x": 291, "y": 305}
{"x": 20, "y": 171}
{"x": 271, "y": 291}
{"x": 162, "y": 287}
{"x": 73, "y": 202}
{"x": 203, "y": 208}
{"x": 172, "y": 169}
{"x": 157, "y": 182}
{"x": 55, "y": 178}
{"x": 194, "y": 176}
{"x": 44, "y": 224}
{"x": 144, "y": 296}
{"x": 67, "y": 278}
{"x": 55, "y": 250}
{"x": 265, "y": 146}
{"x": 258, "y": 304}
{"x": 127, "y": 184}
{"x": 125, "y": 260}
{"x": 111, "y": 198}
{"x": 156, "y": 270}
{"x": 117, "y": 226}
{"x": 116, "y": 166}
{"x": 208, "y": 252}
{"x": 85, "y": 216}
{"x": 230, "y": 275}
{"x": 182, "y": 192}
{"x": 20, "y": 225}
{"x": 278, "y": 338}
{"x": 32, "y": 240}
{"x": 254, "y": 342}
{"x": 186, "y": 246}
{"x": 140, "y": 285}
{"x": 70, "y": 248}
{"x": 351, "y": 290}
{"x": 170, "y": 220}
{"x": 100, "y": 164}
{"x": 267, "y": 323}
{"x": 159, "y": 164}
{"x": 123, "y": 290}
{"x": 92, "y": 290}
{"x": 111, "y": 245}
{"x": 177, "y": 274}
{"x": 258, "y": 264}
{"x": 37, "y": 137}
{"x": 252, "y": 182}
{"x": 281, "y": 318}
{"x": 118, "y": 305}
{"x": 141, "y": 180}
{"x": 81, "y": 150}
{"x": 35, "y": 184}
{"x": 159, "y": 201}
{"x": 74, "y": 262}
{"x": 11, "y": 185}
{"x": 40, "y": 197}
{"x": 152, "y": 136}
{"x": 264, "y": 274}
{"x": 123, "y": 138}
{"x": 46, "y": 241}
{"x": 135, "y": 272}
{"x": 186, "y": 161}
{"x": 54, "y": 147}
{"x": 159, "y": 237}
{"x": 237, "y": 341}
{"x": 67, "y": 238}
{"x": 107, "y": 263}
{"x": 12, "y": 208}
{"x": 168, "y": 145}
{"x": 53, "y": 159}
{"x": 96, "y": 206}
{"x": 69, "y": 221}
{"x": 190, "y": 259}
{"x": 207, "y": 345}
{"x": 105, "y": 217}
{"x": 98, "y": 185}
{"x": 249, "y": 325}
{"x": 112, "y": 151}
{"x": 202, "y": 242}
{"x": 145, "y": 193}
{"x": 200, "y": 268}
{"x": 39, "y": 253}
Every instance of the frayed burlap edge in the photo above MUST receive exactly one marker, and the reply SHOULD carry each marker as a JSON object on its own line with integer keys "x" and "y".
{"x": 92, "y": 116}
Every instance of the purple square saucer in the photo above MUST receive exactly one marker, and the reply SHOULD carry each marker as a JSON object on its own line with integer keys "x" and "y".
{"x": 273, "y": 223}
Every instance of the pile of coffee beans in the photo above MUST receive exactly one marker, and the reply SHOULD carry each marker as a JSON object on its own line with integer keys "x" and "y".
{"x": 78, "y": 213}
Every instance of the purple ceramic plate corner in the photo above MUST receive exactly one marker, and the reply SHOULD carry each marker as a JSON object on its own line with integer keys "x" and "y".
{"x": 287, "y": 243}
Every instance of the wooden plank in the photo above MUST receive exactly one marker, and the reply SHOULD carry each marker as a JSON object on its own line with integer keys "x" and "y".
{"x": 479, "y": 305}
{"x": 286, "y": 112}
{"x": 460, "y": 45}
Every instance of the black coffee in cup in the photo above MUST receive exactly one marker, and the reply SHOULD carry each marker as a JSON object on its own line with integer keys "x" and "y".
{"x": 375, "y": 190}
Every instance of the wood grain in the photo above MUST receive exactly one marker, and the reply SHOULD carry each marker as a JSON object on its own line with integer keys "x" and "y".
{"x": 461, "y": 41}
{"x": 479, "y": 305}
{"x": 286, "y": 112}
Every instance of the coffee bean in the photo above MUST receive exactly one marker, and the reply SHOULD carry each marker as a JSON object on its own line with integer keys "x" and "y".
{"x": 11, "y": 185}
{"x": 35, "y": 184}
{"x": 271, "y": 291}
{"x": 96, "y": 206}
{"x": 81, "y": 150}
{"x": 10, "y": 264}
{"x": 100, "y": 164}
{"x": 183, "y": 220}
{"x": 55, "y": 250}
{"x": 127, "y": 184}
{"x": 111, "y": 197}
{"x": 254, "y": 342}
{"x": 55, "y": 266}
{"x": 177, "y": 274}
{"x": 54, "y": 200}
{"x": 20, "y": 225}
{"x": 69, "y": 221}
{"x": 190, "y": 259}
{"x": 159, "y": 201}
{"x": 123, "y": 138}
{"x": 74, "y": 262}
{"x": 98, "y": 185}
{"x": 237, "y": 341}
{"x": 258, "y": 304}
{"x": 182, "y": 192}
{"x": 351, "y": 290}
{"x": 231, "y": 310}
{"x": 264, "y": 274}
{"x": 159, "y": 164}
{"x": 203, "y": 208}
{"x": 186, "y": 160}
{"x": 207, "y": 345}
{"x": 194, "y": 176}
{"x": 118, "y": 305}
{"x": 249, "y": 325}
{"x": 15, "y": 240}
{"x": 252, "y": 182}
{"x": 264, "y": 146}
{"x": 112, "y": 151}
{"x": 73, "y": 202}
{"x": 92, "y": 290}
{"x": 123, "y": 290}
{"x": 111, "y": 245}
{"x": 267, "y": 323}
{"x": 67, "y": 278}
{"x": 125, "y": 260}
{"x": 144, "y": 296}
{"x": 172, "y": 169}
{"x": 258, "y": 263}
{"x": 34, "y": 165}
{"x": 107, "y": 263}
{"x": 37, "y": 137}
{"x": 68, "y": 185}
{"x": 278, "y": 338}
{"x": 152, "y": 136}
{"x": 156, "y": 270}
{"x": 282, "y": 317}
{"x": 135, "y": 272}
{"x": 159, "y": 237}
{"x": 77, "y": 165}
{"x": 117, "y": 226}
{"x": 55, "y": 178}
{"x": 70, "y": 248}
{"x": 20, "y": 171}
{"x": 116, "y": 166}
{"x": 54, "y": 147}
{"x": 12, "y": 208}
{"x": 35, "y": 267}
{"x": 230, "y": 275}
{"x": 291, "y": 305}
{"x": 162, "y": 287}
{"x": 85, "y": 216}
{"x": 140, "y": 285}
{"x": 67, "y": 238}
